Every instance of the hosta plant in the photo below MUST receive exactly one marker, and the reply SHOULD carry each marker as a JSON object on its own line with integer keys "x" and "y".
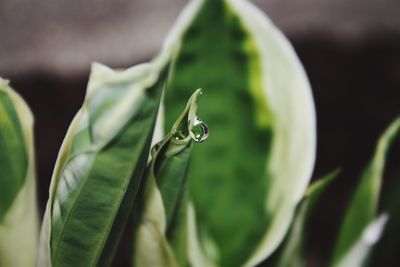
{"x": 128, "y": 161}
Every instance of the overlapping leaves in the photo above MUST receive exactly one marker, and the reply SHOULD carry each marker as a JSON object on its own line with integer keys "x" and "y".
{"x": 100, "y": 166}
{"x": 161, "y": 230}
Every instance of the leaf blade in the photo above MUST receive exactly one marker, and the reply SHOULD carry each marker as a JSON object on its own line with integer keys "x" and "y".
{"x": 161, "y": 212}
{"x": 364, "y": 202}
{"x": 291, "y": 251}
{"x": 19, "y": 218}
{"x": 223, "y": 50}
{"x": 100, "y": 165}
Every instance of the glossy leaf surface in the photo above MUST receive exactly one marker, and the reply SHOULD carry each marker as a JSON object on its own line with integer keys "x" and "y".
{"x": 100, "y": 166}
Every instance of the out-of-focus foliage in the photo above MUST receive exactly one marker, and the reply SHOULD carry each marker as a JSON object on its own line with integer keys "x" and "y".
{"x": 18, "y": 211}
{"x": 291, "y": 252}
{"x": 361, "y": 229}
{"x": 386, "y": 252}
{"x": 251, "y": 174}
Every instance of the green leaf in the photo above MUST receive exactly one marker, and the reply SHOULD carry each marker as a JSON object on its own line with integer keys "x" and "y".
{"x": 100, "y": 165}
{"x": 18, "y": 210}
{"x": 161, "y": 210}
{"x": 246, "y": 181}
{"x": 386, "y": 252}
{"x": 14, "y": 155}
{"x": 363, "y": 205}
{"x": 316, "y": 188}
{"x": 359, "y": 251}
{"x": 291, "y": 251}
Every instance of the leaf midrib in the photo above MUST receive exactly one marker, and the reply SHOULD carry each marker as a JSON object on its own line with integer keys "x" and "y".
{"x": 109, "y": 225}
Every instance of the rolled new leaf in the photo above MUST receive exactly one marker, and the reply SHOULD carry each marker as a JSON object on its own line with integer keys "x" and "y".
{"x": 363, "y": 205}
{"x": 260, "y": 108}
{"x": 18, "y": 208}
{"x": 161, "y": 212}
{"x": 100, "y": 165}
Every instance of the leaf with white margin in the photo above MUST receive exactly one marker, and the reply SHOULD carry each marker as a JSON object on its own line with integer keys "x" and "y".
{"x": 364, "y": 203}
{"x": 18, "y": 209}
{"x": 161, "y": 231}
{"x": 247, "y": 180}
{"x": 291, "y": 252}
{"x": 100, "y": 165}
{"x": 358, "y": 253}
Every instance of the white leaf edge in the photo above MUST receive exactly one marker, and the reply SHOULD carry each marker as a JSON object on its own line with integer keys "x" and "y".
{"x": 374, "y": 173}
{"x": 151, "y": 232}
{"x": 298, "y": 103}
{"x": 293, "y": 152}
{"x": 289, "y": 96}
{"x": 371, "y": 234}
{"x": 101, "y": 75}
{"x": 19, "y": 230}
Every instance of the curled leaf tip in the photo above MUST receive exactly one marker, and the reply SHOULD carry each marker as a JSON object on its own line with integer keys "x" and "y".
{"x": 189, "y": 126}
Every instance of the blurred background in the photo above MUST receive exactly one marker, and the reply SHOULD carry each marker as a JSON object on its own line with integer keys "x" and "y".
{"x": 350, "y": 50}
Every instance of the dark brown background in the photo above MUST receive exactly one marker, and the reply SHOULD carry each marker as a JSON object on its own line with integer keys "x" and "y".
{"x": 350, "y": 49}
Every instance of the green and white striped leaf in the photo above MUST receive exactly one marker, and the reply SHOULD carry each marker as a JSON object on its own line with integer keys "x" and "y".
{"x": 100, "y": 165}
{"x": 363, "y": 205}
{"x": 247, "y": 180}
{"x": 161, "y": 237}
{"x": 18, "y": 208}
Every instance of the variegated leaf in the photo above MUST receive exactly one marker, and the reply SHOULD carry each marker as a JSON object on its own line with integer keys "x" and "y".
{"x": 18, "y": 208}
{"x": 364, "y": 203}
{"x": 161, "y": 233}
{"x": 100, "y": 165}
{"x": 246, "y": 181}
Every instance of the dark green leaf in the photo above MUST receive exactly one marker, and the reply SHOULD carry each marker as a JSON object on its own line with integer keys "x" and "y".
{"x": 100, "y": 166}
